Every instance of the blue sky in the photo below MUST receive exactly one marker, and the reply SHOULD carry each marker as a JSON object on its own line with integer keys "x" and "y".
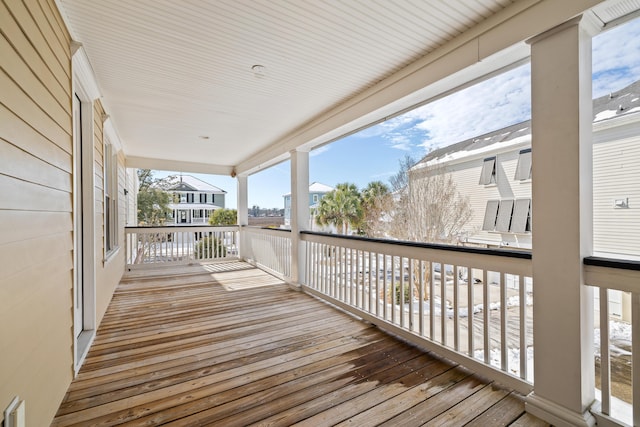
{"x": 374, "y": 153}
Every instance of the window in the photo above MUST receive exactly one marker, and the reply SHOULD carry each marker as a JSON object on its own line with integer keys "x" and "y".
{"x": 315, "y": 198}
{"x": 523, "y": 170}
{"x": 203, "y": 198}
{"x": 190, "y": 197}
{"x": 503, "y": 223}
{"x": 110, "y": 199}
{"x": 490, "y": 215}
{"x": 521, "y": 219}
{"x": 488, "y": 174}
{"x": 508, "y": 216}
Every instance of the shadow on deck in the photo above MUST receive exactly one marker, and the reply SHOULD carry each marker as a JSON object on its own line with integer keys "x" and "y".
{"x": 228, "y": 344}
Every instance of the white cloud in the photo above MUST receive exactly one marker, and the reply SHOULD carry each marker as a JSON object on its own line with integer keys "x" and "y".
{"x": 616, "y": 58}
{"x": 493, "y": 104}
{"x": 506, "y": 99}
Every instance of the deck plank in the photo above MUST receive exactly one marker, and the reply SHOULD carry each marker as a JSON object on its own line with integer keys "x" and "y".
{"x": 227, "y": 344}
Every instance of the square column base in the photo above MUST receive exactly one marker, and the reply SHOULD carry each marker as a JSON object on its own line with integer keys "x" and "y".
{"x": 557, "y": 415}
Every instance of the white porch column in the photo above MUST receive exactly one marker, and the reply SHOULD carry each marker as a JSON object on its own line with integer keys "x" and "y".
{"x": 243, "y": 211}
{"x": 299, "y": 211}
{"x": 562, "y": 223}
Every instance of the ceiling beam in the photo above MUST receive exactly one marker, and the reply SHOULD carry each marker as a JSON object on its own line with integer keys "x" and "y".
{"x": 177, "y": 166}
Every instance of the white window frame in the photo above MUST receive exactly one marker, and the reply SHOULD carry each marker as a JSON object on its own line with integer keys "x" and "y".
{"x": 110, "y": 176}
{"x": 489, "y": 173}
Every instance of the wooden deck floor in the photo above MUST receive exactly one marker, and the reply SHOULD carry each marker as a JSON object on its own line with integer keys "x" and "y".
{"x": 227, "y": 344}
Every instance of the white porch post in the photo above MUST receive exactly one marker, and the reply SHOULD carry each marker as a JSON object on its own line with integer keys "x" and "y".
{"x": 243, "y": 212}
{"x": 299, "y": 212}
{"x": 562, "y": 223}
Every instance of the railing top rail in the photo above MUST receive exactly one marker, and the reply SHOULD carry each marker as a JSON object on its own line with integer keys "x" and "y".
{"x": 179, "y": 227}
{"x": 259, "y": 228}
{"x": 621, "y": 264}
{"x": 611, "y": 273}
{"x": 452, "y": 248}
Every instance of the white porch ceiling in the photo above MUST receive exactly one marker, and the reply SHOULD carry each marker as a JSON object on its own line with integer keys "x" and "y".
{"x": 174, "y": 71}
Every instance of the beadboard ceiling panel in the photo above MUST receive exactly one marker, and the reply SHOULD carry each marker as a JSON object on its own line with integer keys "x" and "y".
{"x": 176, "y": 75}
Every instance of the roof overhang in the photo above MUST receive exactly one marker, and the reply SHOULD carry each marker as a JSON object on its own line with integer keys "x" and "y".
{"x": 178, "y": 83}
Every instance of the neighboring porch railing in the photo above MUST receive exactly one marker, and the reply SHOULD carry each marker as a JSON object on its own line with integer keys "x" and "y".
{"x": 269, "y": 249}
{"x": 150, "y": 246}
{"x": 619, "y": 339}
{"x": 470, "y": 305}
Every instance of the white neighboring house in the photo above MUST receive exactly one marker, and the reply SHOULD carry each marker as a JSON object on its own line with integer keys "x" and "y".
{"x": 494, "y": 172}
{"x": 194, "y": 200}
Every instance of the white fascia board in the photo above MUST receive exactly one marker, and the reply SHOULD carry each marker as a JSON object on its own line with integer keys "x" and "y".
{"x": 603, "y": 131}
{"x": 83, "y": 72}
{"x": 616, "y": 127}
{"x": 457, "y": 157}
{"x": 491, "y": 45}
{"x": 112, "y": 135}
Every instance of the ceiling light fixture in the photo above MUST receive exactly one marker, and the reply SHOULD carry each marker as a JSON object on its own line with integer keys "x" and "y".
{"x": 259, "y": 70}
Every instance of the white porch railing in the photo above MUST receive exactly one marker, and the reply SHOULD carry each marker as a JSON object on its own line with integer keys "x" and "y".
{"x": 470, "y": 305}
{"x": 150, "y": 246}
{"x": 619, "y": 358}
{"x": 269, "y": 249}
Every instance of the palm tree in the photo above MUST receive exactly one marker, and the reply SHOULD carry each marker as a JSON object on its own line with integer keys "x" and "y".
{"x": 341, "y": 207}
{"x": 376, "y": 201}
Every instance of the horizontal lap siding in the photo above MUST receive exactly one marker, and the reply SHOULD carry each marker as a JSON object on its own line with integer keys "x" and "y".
{"x": 466, "y": 176}
{"x": 616, "y": 175}
{"x": 36, "y": 243}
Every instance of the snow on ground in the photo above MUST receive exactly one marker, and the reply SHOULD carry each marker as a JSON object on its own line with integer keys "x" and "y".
{"x": 618, "y": 332}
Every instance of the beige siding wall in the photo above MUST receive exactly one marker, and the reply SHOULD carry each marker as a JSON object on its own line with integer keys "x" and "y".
{"x": 36, "y": 238}
{"x": 616, "y": 176}
{"x": 466, "y": 175}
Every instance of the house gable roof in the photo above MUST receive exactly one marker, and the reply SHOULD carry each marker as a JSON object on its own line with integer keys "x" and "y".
{"x": 623, "y": 102}
{"x": 191, "y": 183}
{"x": 316, "y": 187}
